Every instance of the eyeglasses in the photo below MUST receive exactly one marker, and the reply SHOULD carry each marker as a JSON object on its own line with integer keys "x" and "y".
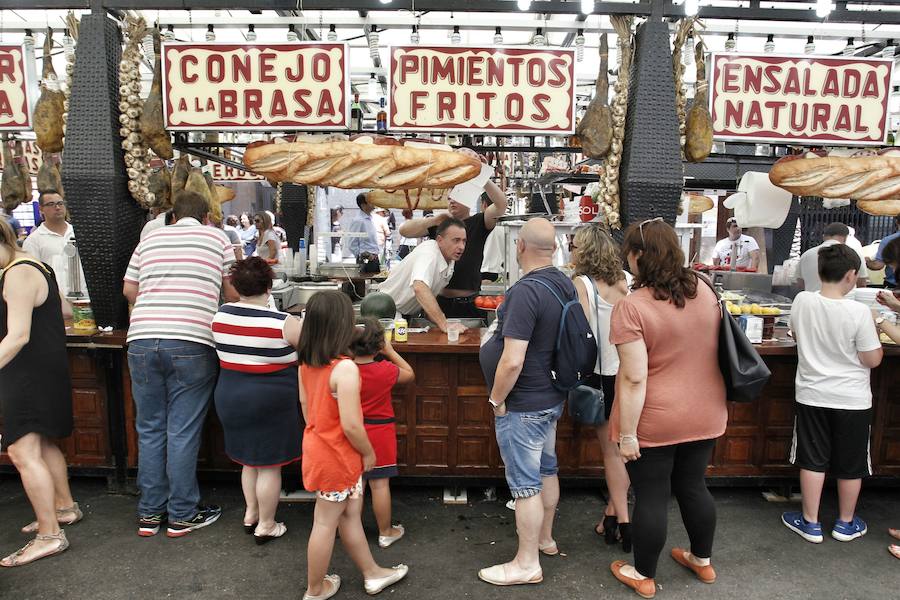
{"x": 57, "y": 204}
{"x": 641, "y": 227}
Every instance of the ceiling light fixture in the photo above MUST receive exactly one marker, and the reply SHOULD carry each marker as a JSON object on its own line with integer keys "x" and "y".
{"x": 539, "y": 39}
{"x": 373, "y": 86}
{"x": 688, "y": 52}
{"x": 169, "y": 34}
{"x": 332, "y": 33}
{"x": 523, "y": 5}
{"x": 498, "y": 36}
{"x": 823, "y": 8}
{"x": 691, "y": 7}
{"x": 292, "y": 34}
{"x": 850, "y": 48}
{"x": 769, "y": 46}
{"x": 210, "y": 34}
{"x": 579, "y": 46}
{"x": 810, "y": 47}
{"x": 251, "y": 33}
{"x": 890, "y": 49}
{"x": 455, "y": 37}
{"x": 414, "y": 36}
{"x": 587, "y": 6}
{"x": 730, "y": 43}
{"x": 373, "y": 43}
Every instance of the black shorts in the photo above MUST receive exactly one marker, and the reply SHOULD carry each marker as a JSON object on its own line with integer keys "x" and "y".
{"x": 607, "y": 384}
{"x": 832, "y": 440}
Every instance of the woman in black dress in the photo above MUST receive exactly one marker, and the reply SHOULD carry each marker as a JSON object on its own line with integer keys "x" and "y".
{"x": 35, "y": 395}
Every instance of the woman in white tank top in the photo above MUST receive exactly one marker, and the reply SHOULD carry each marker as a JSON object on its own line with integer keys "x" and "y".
{"x": 601, "y": 282}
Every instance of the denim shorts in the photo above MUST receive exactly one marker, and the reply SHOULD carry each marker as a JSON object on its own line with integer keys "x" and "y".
{"x": 527, "y": 442}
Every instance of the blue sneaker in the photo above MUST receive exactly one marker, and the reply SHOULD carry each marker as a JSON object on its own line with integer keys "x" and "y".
{"x": 846, "y": 532}
{"x": 811, "y": 532}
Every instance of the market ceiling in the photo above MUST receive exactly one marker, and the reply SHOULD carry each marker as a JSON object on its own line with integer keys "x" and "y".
{"x": 861, "y": 11}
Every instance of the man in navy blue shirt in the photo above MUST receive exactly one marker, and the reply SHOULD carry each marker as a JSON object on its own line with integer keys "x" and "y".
{"x": 526, "y": 406}
{"x": 890, "y": 276}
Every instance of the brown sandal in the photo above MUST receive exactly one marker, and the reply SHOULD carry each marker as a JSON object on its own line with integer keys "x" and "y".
{"x": 62, "y": 517}
{"x": 13, "y": 560}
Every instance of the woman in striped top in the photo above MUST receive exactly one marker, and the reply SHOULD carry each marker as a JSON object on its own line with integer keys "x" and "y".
{"x": 257, "y": 392}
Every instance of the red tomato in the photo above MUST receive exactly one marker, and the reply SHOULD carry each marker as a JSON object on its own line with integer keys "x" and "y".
{"x": 479, "y": 301}
{"x": 498, "y": 300}
{"x": 489, "y": 303}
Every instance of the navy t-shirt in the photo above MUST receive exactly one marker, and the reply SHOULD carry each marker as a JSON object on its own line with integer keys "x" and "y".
{"x": 530, "y": 312}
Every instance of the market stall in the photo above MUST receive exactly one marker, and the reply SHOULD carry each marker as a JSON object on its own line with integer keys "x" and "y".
{"x": 610, "y": 113}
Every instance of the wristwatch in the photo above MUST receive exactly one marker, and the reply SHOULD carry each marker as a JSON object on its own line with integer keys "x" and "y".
{"x": 496, "y": 404}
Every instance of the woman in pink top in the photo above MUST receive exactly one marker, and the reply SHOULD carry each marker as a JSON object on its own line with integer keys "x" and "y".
{"x": 670, "y": 401}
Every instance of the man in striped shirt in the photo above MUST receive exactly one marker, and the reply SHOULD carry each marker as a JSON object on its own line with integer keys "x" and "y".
{"x": 174, "y": 280}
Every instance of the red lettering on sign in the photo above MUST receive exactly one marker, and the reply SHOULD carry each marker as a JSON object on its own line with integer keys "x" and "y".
{"x": 442, "y": 70}
{"x": 182, "y": 105}
{"x": 831, "y": 87}
{"x": 227, "y": 104}
{"x": 537, "y": 72}
{"x": 775, "y": 107}
{"x": 6, "y": 108}
{"x": 799, "y": 125}
{"x": 772, "y": 72}
{"x": 859, "y": 127}
{"x": 821, "y": 116}
{"x": 253, "y": 103}
{"x": 515, "y": 107}
{"x": 416, "y": 103}
{"x": 321, "y": 67}
{"x": 215, "y": 68}
{"x": 241, "y": 67}
{"x": 408, "y": 64}
{"x": 474, "y": 66}
{"x": 278, "y": 109}
{"x": 467, "y": 106}
{"x": 540, "y": 103}
{"x": 210, "y": 105}
{"x": 852, "y": 80}
{"x": 515, "y": 63}
{"x": 842, "y": 122}
{"x": 295, "y": 76}
{"x": 326, "y": 104}
{"x": 871, "y": 87}
{"x": 730, "y": 77}
{"x": 300, "y": 98}
{"x": 7, "y": 68}
{"x": 185, "y": 60}
{"x": 559, "y": 77}
{"x": 486, "y": 98}
{"x": 734, "y": 113}
{"x": 266, "y": 67}
{"x": 496, "y": 71}
{"x": 446, "y": 103}
{"x": 807, "y": 87}
{"x": 752, "y": 79}
{"x": 792, "y": 83}
{"x": 754, "y": 115}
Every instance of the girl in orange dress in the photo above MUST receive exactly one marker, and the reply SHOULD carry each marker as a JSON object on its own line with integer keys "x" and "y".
{"x": 336, "y": 449}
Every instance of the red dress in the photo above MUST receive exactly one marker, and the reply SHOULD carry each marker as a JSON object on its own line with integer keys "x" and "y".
{"x": 330, "y": 462}
{"x": 377, "y": 379}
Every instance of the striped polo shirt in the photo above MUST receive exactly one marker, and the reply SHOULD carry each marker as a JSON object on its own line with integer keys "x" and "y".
{"x": 250, "y": 339}
{"x": 179, "y": 271}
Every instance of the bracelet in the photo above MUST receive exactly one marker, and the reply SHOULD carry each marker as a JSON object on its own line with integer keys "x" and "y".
{"x": 622, "y": 438}
{"x": 494, "y": 403}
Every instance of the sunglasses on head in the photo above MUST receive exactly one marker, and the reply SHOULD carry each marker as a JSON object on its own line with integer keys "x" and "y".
{"x": 641, "y": 226}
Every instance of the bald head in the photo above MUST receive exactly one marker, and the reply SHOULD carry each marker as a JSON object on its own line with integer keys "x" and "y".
{"x": 539, "y": 237}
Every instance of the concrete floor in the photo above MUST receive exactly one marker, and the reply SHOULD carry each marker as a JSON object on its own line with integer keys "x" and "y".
{"x": 756, "y": 557}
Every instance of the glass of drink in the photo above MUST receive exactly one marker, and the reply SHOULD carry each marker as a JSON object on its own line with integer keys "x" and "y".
{"x": 453, "y": 328}
{"x": 388, "y": 326}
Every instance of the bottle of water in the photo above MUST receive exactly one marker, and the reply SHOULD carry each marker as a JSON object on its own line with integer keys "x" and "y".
{"x": 300, "y": 258}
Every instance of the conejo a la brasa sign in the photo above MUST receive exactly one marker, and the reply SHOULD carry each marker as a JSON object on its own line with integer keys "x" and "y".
{"x": 222, "y": 86}
{"x": 800, "y": 99}
{"x": 15, "y": 107}
{"x": 467, "y": 89}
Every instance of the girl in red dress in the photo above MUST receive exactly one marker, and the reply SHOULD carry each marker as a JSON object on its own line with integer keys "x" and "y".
{"x": 336, "y": 450}
{"x": 377, "y": 379}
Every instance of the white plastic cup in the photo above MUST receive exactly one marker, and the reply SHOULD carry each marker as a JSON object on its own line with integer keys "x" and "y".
{"x": 453, "y": 328}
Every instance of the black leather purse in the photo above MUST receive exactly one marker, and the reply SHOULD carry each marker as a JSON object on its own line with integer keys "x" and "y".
{"x": 742, "y": 367}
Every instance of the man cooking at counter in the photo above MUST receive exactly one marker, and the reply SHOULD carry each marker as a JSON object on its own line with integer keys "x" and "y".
{"x": 737, "y": 249}
{"x": 834, "y": 233}
{"x": 458, "y": 298}
{"x": 416, "y": 280}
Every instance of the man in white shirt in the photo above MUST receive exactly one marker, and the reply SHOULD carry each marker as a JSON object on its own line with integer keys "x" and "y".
{"x": 740, "y": 250}
{"x": 837, "y": 346}
{"x": 416, "y": 280}
{"x": 808, "y": 269}
{"x": 46, "y": 242}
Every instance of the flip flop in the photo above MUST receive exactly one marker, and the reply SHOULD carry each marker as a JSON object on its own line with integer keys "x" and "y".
{"x": 496, "y": 575}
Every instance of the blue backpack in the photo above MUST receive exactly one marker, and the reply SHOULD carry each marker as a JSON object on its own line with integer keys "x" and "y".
{"x": 575, "y": 352}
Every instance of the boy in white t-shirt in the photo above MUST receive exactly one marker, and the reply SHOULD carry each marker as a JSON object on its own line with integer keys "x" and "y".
{"x": 837, "y": 346}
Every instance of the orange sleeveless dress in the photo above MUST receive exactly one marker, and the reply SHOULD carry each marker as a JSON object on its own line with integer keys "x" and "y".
{"x": 330, "y": 462}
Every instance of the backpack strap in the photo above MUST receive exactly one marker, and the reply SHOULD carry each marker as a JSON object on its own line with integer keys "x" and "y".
{"x": 552, "y": 291}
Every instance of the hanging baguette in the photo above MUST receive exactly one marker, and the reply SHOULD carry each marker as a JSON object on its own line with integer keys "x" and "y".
{"x": 868, "y": 178}
{"x": 382, "y": 163}
{"x": 418, "y": 199}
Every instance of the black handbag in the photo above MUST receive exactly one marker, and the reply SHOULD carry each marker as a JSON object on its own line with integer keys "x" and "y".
{"x": 586, "y": 404}
{"x": 742, "y": 367}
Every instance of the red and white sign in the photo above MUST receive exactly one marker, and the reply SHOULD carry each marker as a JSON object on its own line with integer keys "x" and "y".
{"x": 288, "y": 86}
{"x": 465, "y": 89}
{"x": 15, "y": 108}
{"x": 800, "y": 99}
{"x": 222, "y": 172}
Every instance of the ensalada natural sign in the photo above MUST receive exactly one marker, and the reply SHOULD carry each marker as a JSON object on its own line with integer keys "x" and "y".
{"x": 15, "y": 109}
{"x": 800, "y": 99}
{"x": 465, "y": 89}
{"x": 222, "y": 86}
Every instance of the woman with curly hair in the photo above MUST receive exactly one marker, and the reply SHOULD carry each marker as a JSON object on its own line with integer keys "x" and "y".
{"x": 601, "y": 283}
{"x": 670, "y": 401}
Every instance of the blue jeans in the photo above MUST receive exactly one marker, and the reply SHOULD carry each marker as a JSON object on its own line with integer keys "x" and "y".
{"x": 527, "y": 442}
{"x": 172, "y": 382}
